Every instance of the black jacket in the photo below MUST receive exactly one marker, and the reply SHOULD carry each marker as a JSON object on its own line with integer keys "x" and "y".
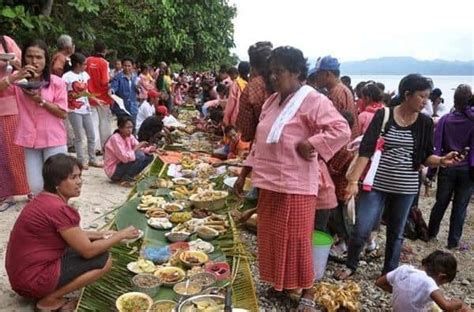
{"x": 422, "y": 131}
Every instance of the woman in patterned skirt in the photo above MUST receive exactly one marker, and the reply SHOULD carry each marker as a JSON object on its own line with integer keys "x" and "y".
{"x": 13, "y": 179}
{"x": 297, "y": 126}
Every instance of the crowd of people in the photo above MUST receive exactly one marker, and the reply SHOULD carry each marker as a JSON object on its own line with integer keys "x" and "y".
{"x": 309, "y": 142}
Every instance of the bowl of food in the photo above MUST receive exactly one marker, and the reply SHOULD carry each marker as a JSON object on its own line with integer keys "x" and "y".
{"x": 141, "y": 266}
{"x": 202, "y": 303}
{"x": 169, "y": 276}
{"x": 187, "y": 289}
{"x": 201, "y": 213}
{"x": 207, "y": 233}
{"x": 200, "y": 245}
{"x": 178, "y": 246}
{"x": 180, "y": 217}
{"x": 220, "y": 269}
{"x": 193, "y": 258}
{"x": 156, "y": 213}
{"x": 173, "y": 207}
{"x": 158, "y": 255}
{"x": 163, "y": 306}
{"x": 181, "y": 181}
{"x": 210, "y": 199}
{"x": 205, "y": 279}
{"x": 175, "y": 237}
{"x": 146, "y": 283}
{"x": 160, "y": 223}
{"x": 133, "y": 301}
{"x": 178, "y": 195}
{"x": 187, "y": 173}
{"x": 161, "y": 183}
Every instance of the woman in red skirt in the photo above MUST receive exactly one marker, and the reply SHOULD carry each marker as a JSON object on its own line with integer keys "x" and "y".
{"x": 13, "y": 179}
{"x": 297, "y": 126}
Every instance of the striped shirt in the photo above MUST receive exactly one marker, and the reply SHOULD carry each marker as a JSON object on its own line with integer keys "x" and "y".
{"x": 395, "y": 173}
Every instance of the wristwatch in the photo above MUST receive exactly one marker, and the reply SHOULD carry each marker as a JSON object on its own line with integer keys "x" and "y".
{"x": 41, "y": 104}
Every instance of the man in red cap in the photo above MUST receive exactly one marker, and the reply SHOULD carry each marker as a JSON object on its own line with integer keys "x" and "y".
{"x": 147, "y": 108}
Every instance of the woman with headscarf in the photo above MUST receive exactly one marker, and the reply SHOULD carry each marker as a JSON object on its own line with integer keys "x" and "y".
{"x": 297, "y": 126}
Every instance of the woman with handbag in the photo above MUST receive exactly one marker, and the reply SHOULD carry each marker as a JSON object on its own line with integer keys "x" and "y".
{"x": 405, "y": 144}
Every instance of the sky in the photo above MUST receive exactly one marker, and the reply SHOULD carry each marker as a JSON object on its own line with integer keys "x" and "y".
{"x": 359, "y": 29}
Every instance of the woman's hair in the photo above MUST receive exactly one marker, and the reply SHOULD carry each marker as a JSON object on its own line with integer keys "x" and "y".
{"x": 373, "y": 92}
{"x": 358, "y": 88}
{"x": 56, "y": 169}
{"x": 258, "y": 55}
{"x": 462, "y": 95}
{"x": 122, "y": 122}
{"x": 216, "y": 114}
{"x": 412, "y": 83}
{"x": 149, "y": 128}
{"x": 77, "y": 59}
{"x": 292, "y": 59}
{"x": 222, "y": 88}
{"x": 440, "y": 262}
{"x": 244, "y": 70}
{"x": 42, "y": 45}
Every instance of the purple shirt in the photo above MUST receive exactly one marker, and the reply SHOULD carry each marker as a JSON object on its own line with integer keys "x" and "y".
{"x": 454, "y": 132}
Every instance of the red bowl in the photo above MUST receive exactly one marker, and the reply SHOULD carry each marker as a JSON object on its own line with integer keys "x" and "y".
{"x": 178, "y": 246}
{"x": 220, "y": 269}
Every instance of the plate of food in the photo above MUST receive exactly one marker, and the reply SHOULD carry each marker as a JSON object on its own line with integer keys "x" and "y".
{"x": 180, "y": 217}
{"x": 179, "y": 195}
{"x": 156, "y": 213}
{"x": 201, "y": 213}
{"x": 170, "y": 275}
{"x": 173, "y": 207}
{"x": 210, "y": 199}
{"x": 133, "y": 302}
{"x": 141, "y": 266}
{"x": 148, "y": 202}
{"x": 207, "y": 233}
{"x": 175, "y": 237}
{"x": 160, "y": 223}
{"x": 193, "y": 258}
{"x": 181, "y": 181}
{"x": 202, "y": 246}
{"x": 163, "y": 306}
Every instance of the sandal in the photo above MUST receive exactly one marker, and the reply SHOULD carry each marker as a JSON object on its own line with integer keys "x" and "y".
{"x": 5, "y": 205}
{"x": 294, "y": 294}
{"x": 306, "y": 304}
{"x": 127, "y": 184}
{"x": 343, "y": 274}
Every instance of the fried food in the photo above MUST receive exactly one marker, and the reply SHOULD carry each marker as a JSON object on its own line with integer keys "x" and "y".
{"x": 335, "y": 296}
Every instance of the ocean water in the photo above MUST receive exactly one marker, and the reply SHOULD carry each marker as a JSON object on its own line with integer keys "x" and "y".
{"x": 447, "y": 84}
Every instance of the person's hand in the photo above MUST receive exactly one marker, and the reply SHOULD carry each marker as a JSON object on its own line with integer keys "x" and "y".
{"x": 465, "y": 308}
{"x": 143, "y": 144}
{"x": 34, "y": 95}
{"x": 351, "y": 190}
{"x": 306, "y": 150}
{"x": 129, "y": 233}
{"x": 451, "y": 158}
{"x": 239, "y": 186}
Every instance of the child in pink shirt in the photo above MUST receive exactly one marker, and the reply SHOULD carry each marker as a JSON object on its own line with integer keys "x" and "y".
{"x": 373, "y": 97}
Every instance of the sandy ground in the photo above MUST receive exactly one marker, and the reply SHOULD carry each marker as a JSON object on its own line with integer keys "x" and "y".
{"x": 99, "y": 196}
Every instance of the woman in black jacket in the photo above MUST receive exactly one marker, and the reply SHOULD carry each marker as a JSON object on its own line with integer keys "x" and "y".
{"x": 408, "y": 143}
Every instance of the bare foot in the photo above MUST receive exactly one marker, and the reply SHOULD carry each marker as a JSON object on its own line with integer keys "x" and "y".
{"x": 51, "y": 304}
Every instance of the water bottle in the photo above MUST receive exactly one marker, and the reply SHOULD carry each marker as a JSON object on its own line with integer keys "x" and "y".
{"x": 228, "y": 300}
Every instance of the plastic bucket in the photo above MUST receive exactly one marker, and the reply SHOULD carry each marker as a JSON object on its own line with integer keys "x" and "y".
{"x": 322, "y": 243}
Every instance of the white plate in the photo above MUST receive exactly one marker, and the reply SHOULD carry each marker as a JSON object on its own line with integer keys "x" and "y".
{"x": 129, "y": 241}
{"x": 160, "y": 223}
{"x": 134, "y": 268}
{"x": 207, "y": 247}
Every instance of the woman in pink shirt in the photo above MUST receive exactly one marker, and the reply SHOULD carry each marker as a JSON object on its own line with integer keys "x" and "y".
{"x": 42, "y": 106}
{"x": 124, "y": 157}
{"x": 13, "y": 179}
{"x": 297, "y": 126}
{"x": 372, "y": 97}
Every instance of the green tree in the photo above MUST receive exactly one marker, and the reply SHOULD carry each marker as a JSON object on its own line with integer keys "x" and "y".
{"x": 197, "y": 34}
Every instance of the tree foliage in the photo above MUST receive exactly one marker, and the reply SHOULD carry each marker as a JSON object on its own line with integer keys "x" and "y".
{"x": 192, "y": 33}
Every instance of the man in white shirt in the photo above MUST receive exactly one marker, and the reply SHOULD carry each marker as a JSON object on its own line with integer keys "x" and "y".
{"x": 147, "y": 108}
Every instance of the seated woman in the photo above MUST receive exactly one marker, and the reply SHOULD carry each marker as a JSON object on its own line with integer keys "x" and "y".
{"x": 124, "y": 156}
{"x": 48, "y": 254}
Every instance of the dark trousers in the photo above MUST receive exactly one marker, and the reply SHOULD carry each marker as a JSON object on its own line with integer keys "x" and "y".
{"x": 128, "y": 171}
{"x": 451, "y": 181}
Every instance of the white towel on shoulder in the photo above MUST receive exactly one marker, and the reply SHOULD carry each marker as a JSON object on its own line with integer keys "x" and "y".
{"x": 287, "y": 114}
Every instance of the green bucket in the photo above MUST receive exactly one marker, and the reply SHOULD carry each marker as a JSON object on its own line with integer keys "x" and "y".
{"x": 322, "y": 243}
{"x": 322, "y": 239}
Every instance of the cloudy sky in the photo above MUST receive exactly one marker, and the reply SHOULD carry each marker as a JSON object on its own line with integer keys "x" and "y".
{"x": 359, "y": 29}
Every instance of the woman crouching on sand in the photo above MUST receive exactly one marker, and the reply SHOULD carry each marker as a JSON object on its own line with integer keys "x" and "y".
{"x": 48, "y": 254}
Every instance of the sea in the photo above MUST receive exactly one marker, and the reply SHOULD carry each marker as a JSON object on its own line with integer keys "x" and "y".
{"x": 447, "y": 84}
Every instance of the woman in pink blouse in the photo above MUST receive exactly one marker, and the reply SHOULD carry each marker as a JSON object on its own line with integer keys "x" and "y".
{"x": 42, "y": 110}
{"x": 124, "y": 156}
{"x": 372, "y": 97}
{"x": 297, "y": 127}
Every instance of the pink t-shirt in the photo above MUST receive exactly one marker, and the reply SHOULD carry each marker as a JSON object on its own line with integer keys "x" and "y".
{"x": 118, "y": 150}
{"x": 365, "y": 118}
{"x": 38, "y": 128}
{"x": 278, "y": 167}
{"x": 35, "y": 248}
{"x": 8, "y": 105}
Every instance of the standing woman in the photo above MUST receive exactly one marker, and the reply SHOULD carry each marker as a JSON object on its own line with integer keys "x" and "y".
{"x": 408, "y": 137}
{"x": 13, "y": 179}
{"x": 42, "y": 111}
{"x": 455, "y": 132}
{"x": 297, "y": 126}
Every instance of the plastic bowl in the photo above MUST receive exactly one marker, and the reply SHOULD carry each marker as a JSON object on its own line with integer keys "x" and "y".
{"x": 151, "y": 290}
{"x": 119, "y": 301}
{"x": 175, "y": 237}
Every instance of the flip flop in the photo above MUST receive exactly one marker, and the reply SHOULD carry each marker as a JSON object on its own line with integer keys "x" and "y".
{"x": 6, "y": 205}
{"x": 306, "y": 304}
{"x": 294, "y": 294}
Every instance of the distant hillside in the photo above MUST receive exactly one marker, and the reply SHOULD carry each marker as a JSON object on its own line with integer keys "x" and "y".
{"x": 404, "y": 65}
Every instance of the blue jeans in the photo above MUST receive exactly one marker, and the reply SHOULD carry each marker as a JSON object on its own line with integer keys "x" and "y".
{"x": 370, "y": 206}
{"x": 128, "y": 171}
{"x": 454, "y": 180}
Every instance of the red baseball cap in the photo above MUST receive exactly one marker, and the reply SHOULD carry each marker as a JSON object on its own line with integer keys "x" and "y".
{"x": 153, "y": 94}
{"x": 162, "y": 110}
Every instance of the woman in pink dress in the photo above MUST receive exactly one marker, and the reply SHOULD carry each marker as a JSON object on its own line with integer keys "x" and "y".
{"x": 13, "y": 179}
{"x": 297, "y": 126}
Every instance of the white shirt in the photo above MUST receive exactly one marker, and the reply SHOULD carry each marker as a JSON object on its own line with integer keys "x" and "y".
{"x": 412, "y": 289}
{"x": 144, "y": 111}
{"x": 70, "y": 78}
{"x": 441, "y": 109}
